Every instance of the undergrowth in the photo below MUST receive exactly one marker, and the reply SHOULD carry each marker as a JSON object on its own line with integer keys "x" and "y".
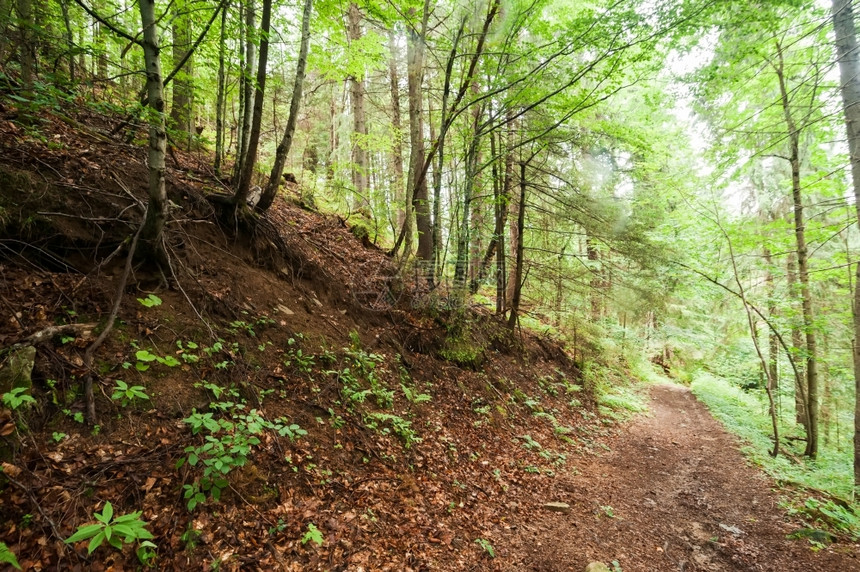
{"x": 746, "y": 415}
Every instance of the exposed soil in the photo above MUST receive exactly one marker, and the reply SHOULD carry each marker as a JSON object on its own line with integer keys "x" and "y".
{"x": 674, "y": 494}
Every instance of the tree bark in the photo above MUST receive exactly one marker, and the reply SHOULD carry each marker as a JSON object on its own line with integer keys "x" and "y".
{"x": 183, "y": 87}
{"x": 773, "y": 342}
{"x": 517, "y": 277}
{"x": 398, "y": 191}
{"x": 849, "y": 73}
{"x": 222, "y": 89}
{"x": 359, "y": 120}
{"x": 268, "y": 196}
{"x": 27, "y": 53}
{"x": 156, "y": 212}
{"x": 417, "y": 182}
{"x": 246, "y": 88}
{"x": 243, "y": 189}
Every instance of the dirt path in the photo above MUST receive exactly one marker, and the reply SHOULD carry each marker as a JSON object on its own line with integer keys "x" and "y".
{"x": 674, "y": 494}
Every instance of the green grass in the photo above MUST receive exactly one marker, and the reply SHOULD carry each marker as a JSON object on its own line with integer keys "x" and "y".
{"x": 746, "y": 415}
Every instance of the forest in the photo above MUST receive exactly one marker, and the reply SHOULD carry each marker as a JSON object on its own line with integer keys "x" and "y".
{"x": 665, "y": 188}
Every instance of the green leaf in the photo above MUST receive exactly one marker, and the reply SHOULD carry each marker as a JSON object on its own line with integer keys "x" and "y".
{"x": 7, "y": 557}
{"x": 97, "y": 541}
{"x": 107, "y": 514}
{"x": 84, "y": 532}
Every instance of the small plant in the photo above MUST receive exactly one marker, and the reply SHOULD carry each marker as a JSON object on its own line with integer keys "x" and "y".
{"x": 126, "y": 394}
{"x": 488, "y": 548}
{"x": 608, "y": 511}
{"x": 150, "y": 301}
{"x": 413, "y": 396}
{"x": 117, "y": 531}
{"x": 17, "y": 397}
{"x": 312, "y": 535}
{"x": 8, "y": 557}
{"x": 58, "y": 436}
{"x": 530, "y": 443}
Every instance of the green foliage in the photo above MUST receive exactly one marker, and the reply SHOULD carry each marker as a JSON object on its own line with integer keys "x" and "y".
{"x": 746, "y": 414}
{"x": 116, "y": 531}
{"x": 17, "y": 398}
{"x": 126, "y": 394}
{"x": 8, "y": 557}
{"x": 227, "y": 444}
{"x": 313, "y": 535}
{"x": 150, "y": 301}
{"x": 486, "y": 546}
{"x": 393, "y": 424}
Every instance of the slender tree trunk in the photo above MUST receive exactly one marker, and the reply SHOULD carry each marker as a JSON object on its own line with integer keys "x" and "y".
{"x": 802, "y": 265}
{"x": 156, "y": 211}
{"x": 797, "y": 345}
{"x": 595, "y": 283}
{"x": 70, "y": 39}
{"x": 183, "y": 87}
{"x": 517, "y": 277}
{"x": 359, "y": 121}
{"x": 849, "y": 73}
{"x": 5, "y": 19}
{"x": 398, "y": 190}
{"x": 418, "y": 181}
{"x": 27, "y": 53}
{"x": 246, "y": 103}
{"x": 243, "y": 189}
{"x": 773, "y": 341}
{"x": 222, "y": 92}
{"x": 283, "y": 149}
{"x": 461, "y": 267}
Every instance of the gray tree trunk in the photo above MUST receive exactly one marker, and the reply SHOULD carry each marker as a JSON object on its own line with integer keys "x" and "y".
{"x": 849, "y": 73}
{"x": 156, "y": 212}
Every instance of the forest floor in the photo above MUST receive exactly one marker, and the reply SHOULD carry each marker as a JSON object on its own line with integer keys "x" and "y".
{"x": 675, "y": 493}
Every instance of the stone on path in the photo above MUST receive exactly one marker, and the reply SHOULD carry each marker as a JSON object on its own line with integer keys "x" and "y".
{"x": 597, "y": 567}
{"x": 561, "y": 507}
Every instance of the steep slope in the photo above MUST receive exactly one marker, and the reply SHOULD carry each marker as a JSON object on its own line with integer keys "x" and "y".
{"x": 276, "y": 398}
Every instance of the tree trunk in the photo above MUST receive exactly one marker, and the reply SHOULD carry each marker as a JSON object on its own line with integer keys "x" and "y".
{"x": 244, "y": 187}
{"x": 359, "y": 121}
{"x": 26, "y": 45}
{"x": 5, "y": 19}
{"x": 246, "y": 88}
{"x": 798, "y": 350}
{"x": 398, "y": 191}
{"x": 70, "y": 39}
{"x": 849, "y": 73}
{"x": 802, "y": 265}
{"x": 156, "y": 211}
{"x": 517, "y": 277}
{"x": 418, "y": 181}
{"x": 773, "y": 341}
{"x": 222, "y": 89}
{"x": 268, "y": 196}
{"x": 183, "y": 87}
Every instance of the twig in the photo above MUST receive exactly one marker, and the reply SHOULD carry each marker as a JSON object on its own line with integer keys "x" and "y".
{"x": 88, "y": 355}
{"x": 33, "y": 500}
{"x": 44, "y": 335}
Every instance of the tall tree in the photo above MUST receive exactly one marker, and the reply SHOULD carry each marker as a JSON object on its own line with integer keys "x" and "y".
{"x": 849, "y": 74}
{"x": 243, "y": 188}
{"x": 283, "y": 149}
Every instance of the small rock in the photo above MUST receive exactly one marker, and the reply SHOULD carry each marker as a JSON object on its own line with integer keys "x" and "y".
{"x": 650, "y": 503}
{"x": 561, "y": 507}
{"x": 284, "y": 310}
{"x": 597, "y": 567}
{"x": 732, "y": 529}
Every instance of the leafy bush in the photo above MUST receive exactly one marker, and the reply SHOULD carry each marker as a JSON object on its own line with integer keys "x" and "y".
{"x": 116, "y": 531}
